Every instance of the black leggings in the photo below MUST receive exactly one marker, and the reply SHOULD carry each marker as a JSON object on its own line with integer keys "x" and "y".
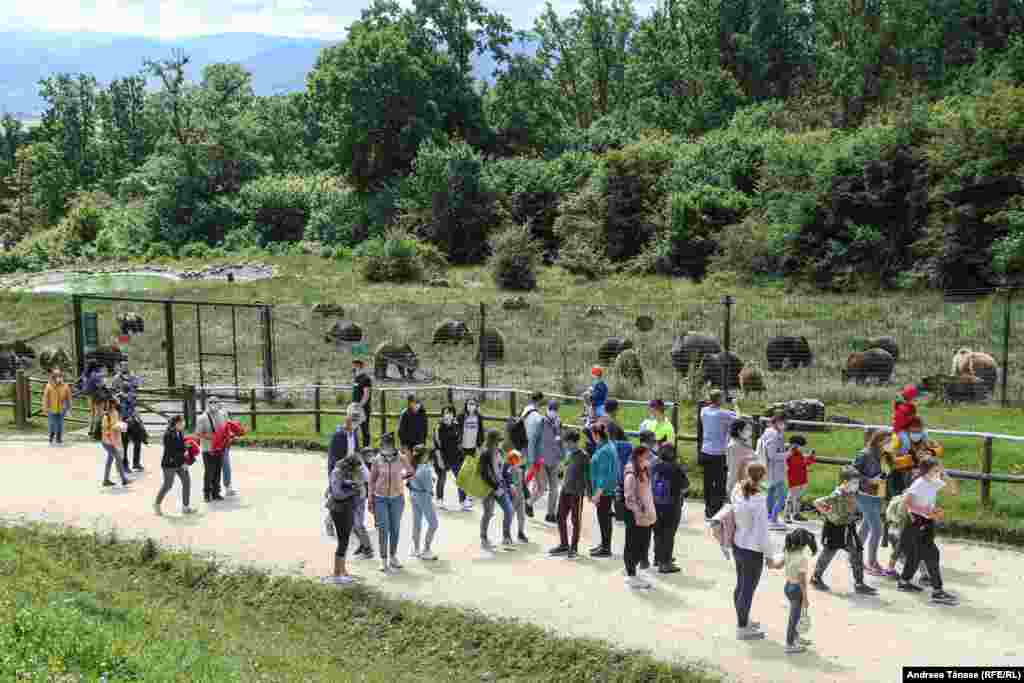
{"x": 136, "y": 451}
{"x": 715, "y": 475}
{"x": 638, "y": 543}
{"x": 604, "y": 521}
{"x": 343, "y": 516}
{"x": 918, "y": 545}
{"x": 442, "y": 478}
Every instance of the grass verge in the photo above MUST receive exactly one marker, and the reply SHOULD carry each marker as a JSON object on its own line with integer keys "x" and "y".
{"x": 78, "y": 606}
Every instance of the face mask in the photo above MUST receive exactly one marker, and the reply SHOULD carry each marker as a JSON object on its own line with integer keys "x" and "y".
{"x": 916, "y": 437}
{"x": 746, "y": 435}
{"x": 853, "y": 486}
{"x": 552, "y": 414}
{"x": 471, "y": 409}
{"x": 448, "y": 419}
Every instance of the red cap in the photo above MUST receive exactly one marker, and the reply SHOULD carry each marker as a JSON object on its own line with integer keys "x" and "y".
{"x": 597, "y": 371}
{"x": 909, "y": 392}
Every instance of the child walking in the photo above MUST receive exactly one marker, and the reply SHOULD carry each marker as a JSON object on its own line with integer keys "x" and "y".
{"x": 491, "y": 462}
{"x": 796, "y": 475}
{"x": 512, "y": 472}
{"x": 576, "y": 484}
{"x": 799, "y": 547}
{"x": 840, "y": 532}
{"x": 421, "y": 487}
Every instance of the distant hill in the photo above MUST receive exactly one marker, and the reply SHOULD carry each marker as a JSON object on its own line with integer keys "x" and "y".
{"x": 278, "y": 64}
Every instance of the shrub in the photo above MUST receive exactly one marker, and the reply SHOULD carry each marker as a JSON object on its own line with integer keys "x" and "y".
{"x": 12, "y": 263}
{"x": 749, "y": 249}
{"x": 327, "y": 252}
{"x": 515, "y": 256}
{"x": 159, "y": 250}
{"x": 278, "y": 207}
{"x": 579, "y": 257}
{"x": 240, "y": 239}
{"x": 694, "y": 220}
{"x": 194, "y": 250}
{"x": 396, "y": 257}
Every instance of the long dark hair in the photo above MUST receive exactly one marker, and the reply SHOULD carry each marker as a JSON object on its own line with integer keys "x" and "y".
{"x": 799, "y": 539}
{"x": 640, "y": 472}
{"x": 492, "y": 440}
{"x": 171, "y": 424}
{"x": 600, "y": 432}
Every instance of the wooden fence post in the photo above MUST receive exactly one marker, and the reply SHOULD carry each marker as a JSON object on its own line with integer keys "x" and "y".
{"x": 451, "y": 397}
{"x": 188, "y": 405}
{"x": 252, "y": 407}
{"x": 383, "y": 412}
{"x": 316, "y": 407}
{"x": 22, "y": 406}
{"x": 512, "y": 408}
{"x": 986, "y": 468}
{"x": 675, "y": 423}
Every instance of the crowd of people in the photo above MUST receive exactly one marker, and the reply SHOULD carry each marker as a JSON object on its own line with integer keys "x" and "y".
{"x": 752, "y": 486}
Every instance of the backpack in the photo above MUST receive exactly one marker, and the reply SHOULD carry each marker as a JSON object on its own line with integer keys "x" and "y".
{"x": 469, "y": 479}
{"x": 895, "y": 513}
{"x": 516, "y": 430}
{"x": 661, "y": 487}
{"x": 723, "y": 526}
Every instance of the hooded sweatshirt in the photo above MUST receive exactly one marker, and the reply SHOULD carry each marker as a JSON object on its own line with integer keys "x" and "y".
{"x": 551, "y": 441}
{"x": 639, "y": 498}
{"x": 902, "y": 413}
{"x": 448, "y": 440}
{"x": 225, "y": 435}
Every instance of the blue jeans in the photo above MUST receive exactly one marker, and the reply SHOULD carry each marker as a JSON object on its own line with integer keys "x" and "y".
{"x": 795, "y": 594}
{"x": 226, "y": 467}
{"x": 506, "y": 515}
{"x": 871, "y": 529}
{"x": 776, "y": 498}
{"x": 113, "y": 457}
{"x": 423, "y": 509}
{"x": 56, "y": 424}
{"x": 388, "y": 511}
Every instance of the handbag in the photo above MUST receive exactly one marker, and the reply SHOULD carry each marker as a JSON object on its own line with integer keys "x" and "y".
{"x": 469, "y": 479}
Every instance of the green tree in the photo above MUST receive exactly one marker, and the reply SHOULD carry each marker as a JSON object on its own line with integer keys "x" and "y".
{"x": 522, "y": 108}
{"x": 70, "y": 123}
{"x": 127, "y": 128}
{"x": 464, "y": 27}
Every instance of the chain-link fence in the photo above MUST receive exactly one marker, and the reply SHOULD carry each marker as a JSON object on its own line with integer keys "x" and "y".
{"x": 784, "y": 347}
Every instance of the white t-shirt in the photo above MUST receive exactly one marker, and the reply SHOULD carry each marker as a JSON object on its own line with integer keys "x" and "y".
{"x": 796, "y": 564}
{"x": 751, "y": 523}
{"x": 925, "y": 492}
{"x": 470, "y": 429}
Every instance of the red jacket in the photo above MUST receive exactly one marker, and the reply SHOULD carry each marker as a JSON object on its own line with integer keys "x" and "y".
{"x": 902, "y": 413}
{"x": 796, "y": 467}
{"x": 191, "y": 449}
{"x": 227, "y": 433}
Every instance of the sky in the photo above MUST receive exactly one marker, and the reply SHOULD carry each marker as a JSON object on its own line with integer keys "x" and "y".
{"x": 327, "y": 19}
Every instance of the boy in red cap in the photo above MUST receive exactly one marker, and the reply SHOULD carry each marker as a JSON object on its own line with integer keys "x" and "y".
{"x": 599, "y": 391}
{"x": 903, "y": 412}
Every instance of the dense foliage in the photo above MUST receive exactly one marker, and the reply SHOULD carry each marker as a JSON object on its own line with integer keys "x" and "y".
{"x": 842, "y": 144}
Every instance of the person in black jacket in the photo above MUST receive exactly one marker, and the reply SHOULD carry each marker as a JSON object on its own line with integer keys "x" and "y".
{"x": 344, "y": 442}
{"x": 611, "y": 409}
{"x": 447, "y": 451}
{"x": 670, "y": 484}
{"x": 412, "y": 425}
{"x": 173, "y": 465}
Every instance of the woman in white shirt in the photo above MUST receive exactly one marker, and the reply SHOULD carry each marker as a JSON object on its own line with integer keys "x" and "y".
{"x": 738, "y": 453}
{"x": 752, "y": 548}
{"x": 918, "y": 539}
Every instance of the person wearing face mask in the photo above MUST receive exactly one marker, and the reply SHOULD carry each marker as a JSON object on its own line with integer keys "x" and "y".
{"x": 738, "y": 453}
{"x": 471, "y": 430}
{"x": 361, "y": 392}
{"x": 57, "y": 401}
{"x": 173, "y": 465}
{"x": 551, "y": 451}
{"x": 772, "y": 448}
{"x": 715, "y": 424}
{"x": 412, "y": 425}
{"x": 599, "y": 391}
{"x": 840, "y": 531}
{"x": 918, "y": 539}
{"x": 869, "y": 498}
{"x": 447, "y": 453}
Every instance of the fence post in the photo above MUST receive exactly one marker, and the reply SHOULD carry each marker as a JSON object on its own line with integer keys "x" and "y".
{"x": 512, "y": 407}
{"x": 1006, "y": 345}
{"x": 188, "y": 407}
{"x": 169, "y": 341}
{"x": 727, "y": 301}
{"x": 986, "y": 468}
{"x": 76, "y": 308}
{"x": 22, "y": 407}
{"x": 316, "y": 407}
{"x": 450, "y": 396}
{"x": 252, "y": 407}
{"x": 383, "y": 412}
{"x": 483, "y": 352}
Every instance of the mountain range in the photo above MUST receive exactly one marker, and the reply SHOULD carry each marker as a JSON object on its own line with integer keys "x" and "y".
{"x": 278, "y": 64}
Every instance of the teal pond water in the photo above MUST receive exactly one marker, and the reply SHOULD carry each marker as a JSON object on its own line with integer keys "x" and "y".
{"x": 101, "y": 283}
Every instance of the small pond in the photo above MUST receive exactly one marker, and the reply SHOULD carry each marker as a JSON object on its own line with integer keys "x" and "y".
{"x": 100, "y": 283}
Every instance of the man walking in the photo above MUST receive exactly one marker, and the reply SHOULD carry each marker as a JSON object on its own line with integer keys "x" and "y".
{"x": 207, "y": 424}
{"x": 715, "y": 424}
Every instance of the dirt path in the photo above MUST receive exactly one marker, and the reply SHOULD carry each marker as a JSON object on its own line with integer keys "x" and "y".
{"x": 688, "y": 616}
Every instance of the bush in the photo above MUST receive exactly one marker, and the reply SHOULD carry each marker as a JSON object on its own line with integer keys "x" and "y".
{"x": 579, "y": 257}
{"x": 327, "y": 252}
{"x": 748, "y": 250}
{"x": 241, "y": 239}
{"x": 396, "y": 257}
{"x": 158, "y": 251}
{"x": 194, "y": 250}
{"x": 12, "y": 263}
{"x": 515, "y": 256}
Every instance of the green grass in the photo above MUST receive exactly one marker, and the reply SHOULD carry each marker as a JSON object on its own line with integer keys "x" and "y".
{"x": 76, "y": 606}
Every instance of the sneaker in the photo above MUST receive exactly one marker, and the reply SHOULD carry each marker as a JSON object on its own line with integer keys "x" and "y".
{"x": 795, "y": 648}
{"x": 529, "y": 510}
{"x": 395, "y": 564}
{"x": 908, "y": 587}
{"x": 595, "y": 549}
{"x": 559, "y": 550}
{"x": 749, "y": 633}
{"x": 523, "y": 538}
{"x": 572, "y": 554}
{"x": 803, "y": 641}
{"x": 551, "y": 519}
{"x": 864, "y": 589}
{"x": 125, "y": 482}
{"x": 385, "y": 568}
{"x": 230, "y": 492}
{"x": 139, "y": 468}
{"x": 217, "y": 497}
{"x": 428, "y": 556}
{"x": 643, "y": 565}
{"x": 941, "y": 597}
{"x": 508, "y": 544}
{"x": 487, "y": 545}
{"x": 107, "y": 482}
{"x": 756, "y": 625}
{"x": 874, "y": 571}
{"x": 414, "y": 554}
{"x": 891, "y": 574}
{"x": 668, "y": 568}
{"x": 603, "y": 552}
{"x": 788, "y": 519}
{"x": 157, "y": 510}
{"x": 187, "y": 510}
{"x": 777, "y": 526}
{"x": 819, "y": 584}
{"x": 441, "y": 506}
{"x": 636, "y": 583}
{"x": 467, "y": 506}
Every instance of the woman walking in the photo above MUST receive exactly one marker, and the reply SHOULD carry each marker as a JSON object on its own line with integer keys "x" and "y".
{"x": 918, "y": 540}
{"x": 346, "y": 482}
{"x": 869, "y": 499}
{"x": 111, "y": 429}
{"x": 420, "y": 486}
{"x": 640, "y": 516}
{"x": 491, "y": 463}
{"x": 752, "y": 548}
{"x": 173, "y": 465}
{"x": 471, "y": 429}
{"x": 447, "y": 453}
{"x": 387, "y": 500}
{"x": 604, "y": 471}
